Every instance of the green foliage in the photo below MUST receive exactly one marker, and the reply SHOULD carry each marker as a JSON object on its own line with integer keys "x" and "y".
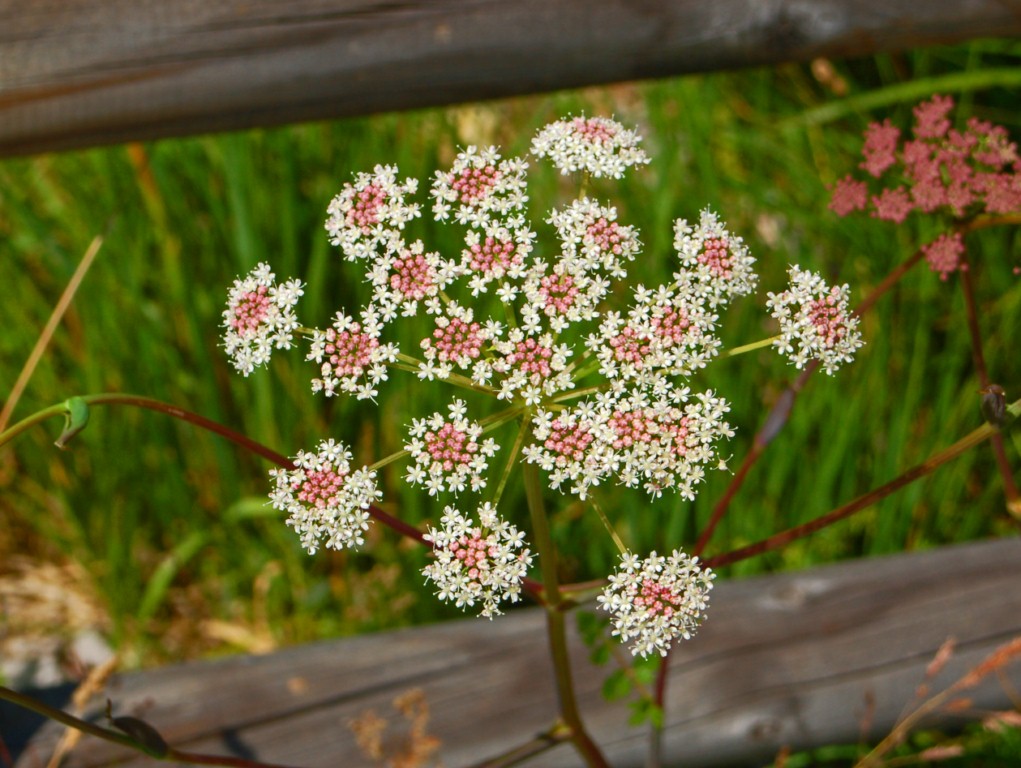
{"x": 170, "y": 520}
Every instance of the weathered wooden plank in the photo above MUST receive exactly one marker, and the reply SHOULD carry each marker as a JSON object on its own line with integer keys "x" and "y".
{"x": 77, "y": 73}
{"x": 793, "y": 659}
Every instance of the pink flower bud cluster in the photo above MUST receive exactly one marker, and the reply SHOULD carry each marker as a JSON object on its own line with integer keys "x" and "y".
{"x": 937, "y": 169}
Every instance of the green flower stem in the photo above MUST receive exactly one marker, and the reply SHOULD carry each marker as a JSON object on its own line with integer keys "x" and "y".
{"x": 387, "y": 460}
{"x": 496, "y": 420}
{"x": 509, "y": 467}
{"x": 749, "y": 347}
{"x": 411, "y": 365}
{"x": 609, "y": 527}
{"x": 123, "y": 739}
{"x": 555, "y": 628}
{"x": 60, "y": 409}
{"x": 572, "y": 394}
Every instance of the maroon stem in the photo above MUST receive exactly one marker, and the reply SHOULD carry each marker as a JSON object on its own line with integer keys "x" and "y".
{"x": 124, "y": 739}
{"x": 781, "y": 410}
{"x": 531, "y": 586}
{"x": 975, "y": 333}
{"x": 926, "y": 467}
{"x": 243, "y": 440}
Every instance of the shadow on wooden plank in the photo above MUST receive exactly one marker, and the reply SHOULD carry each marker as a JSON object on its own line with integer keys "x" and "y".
{"x": 800, "y": 660}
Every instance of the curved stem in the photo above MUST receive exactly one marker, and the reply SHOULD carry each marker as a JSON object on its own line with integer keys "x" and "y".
{"x": 778, "y": 416}
{"x": 116, "y": 737}
{"x": 136, "y": 401}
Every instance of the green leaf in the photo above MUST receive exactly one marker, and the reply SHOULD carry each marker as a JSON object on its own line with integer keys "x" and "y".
{"x": 600, "y": 655}
{"x": 590, "y": 627}
{"x": 646, "y": 668}
{"x": 645, "y": 711}
{"x": 158, "y": 585}
{"x": 616, "y": 686}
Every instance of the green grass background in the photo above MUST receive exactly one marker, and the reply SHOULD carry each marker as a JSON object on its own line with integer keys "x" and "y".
{"x": 171, "y": 524}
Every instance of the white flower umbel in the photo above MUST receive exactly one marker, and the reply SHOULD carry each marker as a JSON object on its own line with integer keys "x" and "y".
{"x": 499, "y": 253}
{"x": 477, "y": 563}
{"x": 656, "y": 600}
{"x": 716, "y": 262}
{"x": 483, "y": 190}
{"x": 815, "y": 321}
{"x": 573, "y": 446}
{"x": 350, "y": 356}
{"x": 369, "y": 216}
{"x": 597, "y": 145}
{"x": 593, "y": 240}
{"x": 449, "y": 453}
{"x": 666, "y": 333}
{"x": 259, "y": 318}
{"x": 664, "y": 438}
{"x": 457, "y": 341}
{"x": 529, "y": 364}
{"x": 403, "y": 278}
{"x": 326, "y": 502}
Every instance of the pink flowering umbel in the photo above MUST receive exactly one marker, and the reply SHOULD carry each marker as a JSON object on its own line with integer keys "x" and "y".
{"x": 259, "y": 318}
{"x": 656, "y": 600}
{"x": 327, "y": 502}
{"x": 936, "y": 169}
{"x": 481, "y": 562}
{"x": 561, "y": 369}
{"x": 815, "y": 321}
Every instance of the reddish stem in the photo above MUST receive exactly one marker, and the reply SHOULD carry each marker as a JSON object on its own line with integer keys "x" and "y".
{"x": 866, "y": 500}
{"x": 975, "y": 333}
{"x": 781, "y": 410}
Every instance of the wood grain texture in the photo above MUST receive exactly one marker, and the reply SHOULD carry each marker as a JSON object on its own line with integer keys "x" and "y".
{"x": 795, "y": 659}
{"x": 77, "y": 73}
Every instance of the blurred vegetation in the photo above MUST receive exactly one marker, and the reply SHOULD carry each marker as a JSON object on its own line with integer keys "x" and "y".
{"x": 171, "y": 524}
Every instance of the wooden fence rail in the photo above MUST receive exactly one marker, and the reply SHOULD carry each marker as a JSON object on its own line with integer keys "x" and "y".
{"x": 77, "y": 73}
{"x": 797, "y": 659}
